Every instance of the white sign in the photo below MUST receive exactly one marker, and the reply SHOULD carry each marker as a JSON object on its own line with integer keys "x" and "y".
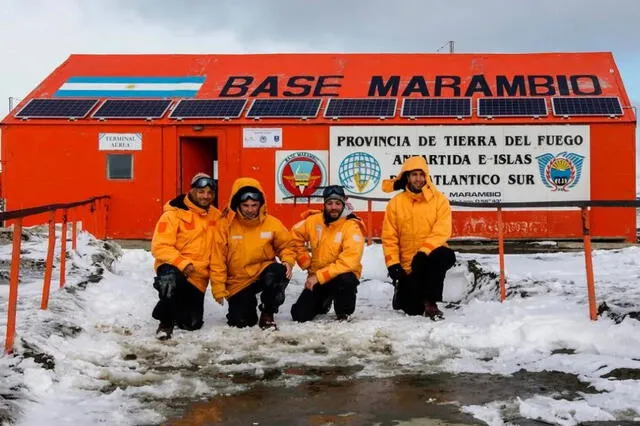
{"x": 120, "y": 141}
{"x": 467, "y": 163}
{"x": 300, "y": 173}
{"x": 261, "y": 138}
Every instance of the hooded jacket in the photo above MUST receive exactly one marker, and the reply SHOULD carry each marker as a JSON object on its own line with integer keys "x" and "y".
{"x": 184, "y": 235}
{"x": 414, "y": 222}
{"x": 336, "y": 248}
{"x": 244, "y": 247}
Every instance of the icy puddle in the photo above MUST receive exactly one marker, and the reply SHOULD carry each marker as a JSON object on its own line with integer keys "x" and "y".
{"x": 333, "y": 399}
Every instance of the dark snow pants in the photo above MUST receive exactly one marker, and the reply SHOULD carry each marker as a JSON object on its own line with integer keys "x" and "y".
{"x": 341, "y": 291}
{"x": 181, "y": 303}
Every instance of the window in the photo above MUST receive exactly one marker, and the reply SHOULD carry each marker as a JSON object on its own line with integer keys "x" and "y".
{"x": 119, "y": 166}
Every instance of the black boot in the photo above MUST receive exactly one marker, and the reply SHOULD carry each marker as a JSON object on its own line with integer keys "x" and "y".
{"x": 164, "y": 331}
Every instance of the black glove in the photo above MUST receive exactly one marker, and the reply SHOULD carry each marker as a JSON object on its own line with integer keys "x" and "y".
{"x": 419, "y": 262}
{"x": 396, "y": 272}
{"x": 166, "y": 285}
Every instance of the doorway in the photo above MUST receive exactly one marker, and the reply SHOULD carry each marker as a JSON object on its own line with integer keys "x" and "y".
{"x": 198, "y": 154}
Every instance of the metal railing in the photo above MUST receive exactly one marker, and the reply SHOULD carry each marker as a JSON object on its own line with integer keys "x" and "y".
{"x": 583, "y": 205}
{"x": 93, "y": 213}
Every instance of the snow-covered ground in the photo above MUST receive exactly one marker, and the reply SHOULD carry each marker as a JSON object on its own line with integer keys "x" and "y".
{"x": 92, "y": 357}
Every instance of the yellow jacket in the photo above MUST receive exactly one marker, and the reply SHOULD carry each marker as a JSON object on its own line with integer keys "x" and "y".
{"x": 245, "y": 247}
{"x": 183, "y": 235}
{"x": 414, "y": 222}
{"x": 335, "y": 248}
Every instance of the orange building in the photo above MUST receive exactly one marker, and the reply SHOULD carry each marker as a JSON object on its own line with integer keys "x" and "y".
{"x": 493, "y": 127}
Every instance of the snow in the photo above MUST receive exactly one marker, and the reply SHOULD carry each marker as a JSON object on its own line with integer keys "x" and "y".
{"x": 106, "y": 366}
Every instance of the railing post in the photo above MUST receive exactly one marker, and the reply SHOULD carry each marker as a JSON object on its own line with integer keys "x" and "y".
{"x": 14, "y": 277}
{"x": 46, "y": 287}
{"x": 369, "y": 222}
{"x": 63, "y": 249}
{"x": 591, "y": 291}
{"x": 74, "y": 232}
{"x": 503, "y": 290}
{"x": 107, "y": 207}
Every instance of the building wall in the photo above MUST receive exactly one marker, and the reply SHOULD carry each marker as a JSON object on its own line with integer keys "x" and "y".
{"x": 47, "y": 163}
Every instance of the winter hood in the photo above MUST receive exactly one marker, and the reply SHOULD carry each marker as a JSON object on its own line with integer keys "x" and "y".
{"x": 400, "y": 181}
{"x": 245, "y": 184}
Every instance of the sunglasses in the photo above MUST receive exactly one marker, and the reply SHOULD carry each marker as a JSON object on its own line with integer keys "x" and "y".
{"x": 333, "y": 190}
{"x": 204, "y": 182}
{"x": 255, "y": 196}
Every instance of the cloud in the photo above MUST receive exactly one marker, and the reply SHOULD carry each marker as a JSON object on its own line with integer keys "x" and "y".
{"x": 38, "y": 35}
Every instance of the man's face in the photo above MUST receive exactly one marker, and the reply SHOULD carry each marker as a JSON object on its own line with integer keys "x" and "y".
{"x": 333, "y": 208}
{"x": 417, "y": 180}
{"x": 202, "y": 197}
{"x": 249, "y": 209}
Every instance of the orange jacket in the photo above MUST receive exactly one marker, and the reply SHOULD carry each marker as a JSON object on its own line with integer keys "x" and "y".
{"x": 335, "y": 248}
{"x": 245, "y": 247}
{"x": 414, "y": 222}
{"x": 183, "y": 235}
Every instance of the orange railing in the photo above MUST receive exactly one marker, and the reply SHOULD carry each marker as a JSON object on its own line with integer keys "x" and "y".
{"x": 93, "y": 213}
{"x": 586, "y": 230}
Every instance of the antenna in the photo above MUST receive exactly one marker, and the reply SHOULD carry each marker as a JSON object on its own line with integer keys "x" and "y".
{"x": 450, "y": 43}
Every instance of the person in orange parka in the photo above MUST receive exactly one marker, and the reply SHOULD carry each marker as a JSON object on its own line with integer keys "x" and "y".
{"x": 335, "y": 236}
{"x": 243, "y": 260}
{"x": 181, "y": 245}
{"x": 415, "y": 230}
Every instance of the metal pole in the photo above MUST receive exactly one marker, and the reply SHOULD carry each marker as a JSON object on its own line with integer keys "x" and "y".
{"x": 503, "y": 289}
{"x": 10, "y": 103}
{"x": 451, "y": 46}
{"x": 14, "y": 277}
{"x": 591, "y": 291}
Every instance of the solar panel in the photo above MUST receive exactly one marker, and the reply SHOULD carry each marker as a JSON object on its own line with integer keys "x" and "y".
{"x": 132, "y": 108}
{"x": 57, "y": 108}
{"x": 360, "y": 107}
{"x": 290, "y": 108}
{"x": 601, "y": 105}
{"x": 208, "y": 108}
{"x": 512, "y": 107}
{"x": 449, "y": 107}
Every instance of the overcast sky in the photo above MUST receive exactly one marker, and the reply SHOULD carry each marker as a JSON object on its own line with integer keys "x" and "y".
{"x": 38, "y": 35}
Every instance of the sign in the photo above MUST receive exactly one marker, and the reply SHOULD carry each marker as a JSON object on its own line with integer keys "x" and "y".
{"x": 120, "y": 141}
{"x": 300, "y": 173}
{"x": 262, "y": 138}
{"x": 308, "y": 85}
{"x": 466, "y": 163}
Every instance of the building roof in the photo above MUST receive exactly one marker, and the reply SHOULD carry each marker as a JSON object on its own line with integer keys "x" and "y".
{"x": 327, "y": 75}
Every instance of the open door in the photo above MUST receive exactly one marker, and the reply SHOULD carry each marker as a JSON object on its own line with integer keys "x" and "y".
{"x": 198, "y": 155}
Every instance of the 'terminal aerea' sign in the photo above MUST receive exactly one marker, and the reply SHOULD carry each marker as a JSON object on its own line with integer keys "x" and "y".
{"x": 120, "y": 141}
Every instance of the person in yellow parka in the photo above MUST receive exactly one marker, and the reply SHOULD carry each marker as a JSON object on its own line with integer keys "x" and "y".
{"x": 243, "y": 260}
{"x": 415, "y": 230}
{"x": 335, "y": 236}
{"x": 181, "y": 245}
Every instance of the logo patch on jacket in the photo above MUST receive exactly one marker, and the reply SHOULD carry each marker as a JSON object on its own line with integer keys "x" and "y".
{"x": 266, "y": 235}
{"x": 236, "y": 237}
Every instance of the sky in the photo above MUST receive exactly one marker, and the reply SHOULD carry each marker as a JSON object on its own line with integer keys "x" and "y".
{"x": 38, "y": 35}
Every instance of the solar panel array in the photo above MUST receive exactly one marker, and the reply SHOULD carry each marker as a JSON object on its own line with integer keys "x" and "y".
{"x": 512, "y": 107}
{"x": 284, "y": 108}
{"x": 57, "y": 108}
{"x": 132, "y": 108}
{"x": 309, "y": 108}
{"x": 577, "y": 106}
{"x": 438, "y": 107}
{"x": 360, "y": 108}
{"x": 208, "y": 108}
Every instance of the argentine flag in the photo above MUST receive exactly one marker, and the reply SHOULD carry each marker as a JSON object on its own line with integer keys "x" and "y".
{"x": 131, "y": 87}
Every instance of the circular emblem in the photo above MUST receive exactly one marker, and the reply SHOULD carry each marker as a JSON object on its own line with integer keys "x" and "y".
{"x": 300, "y": 174}
{"x": 263, "y": 139}
{"x": 359, "y": 172}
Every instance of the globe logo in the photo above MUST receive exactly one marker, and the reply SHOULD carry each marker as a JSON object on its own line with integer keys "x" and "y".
{"x": 359, "y": 172}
